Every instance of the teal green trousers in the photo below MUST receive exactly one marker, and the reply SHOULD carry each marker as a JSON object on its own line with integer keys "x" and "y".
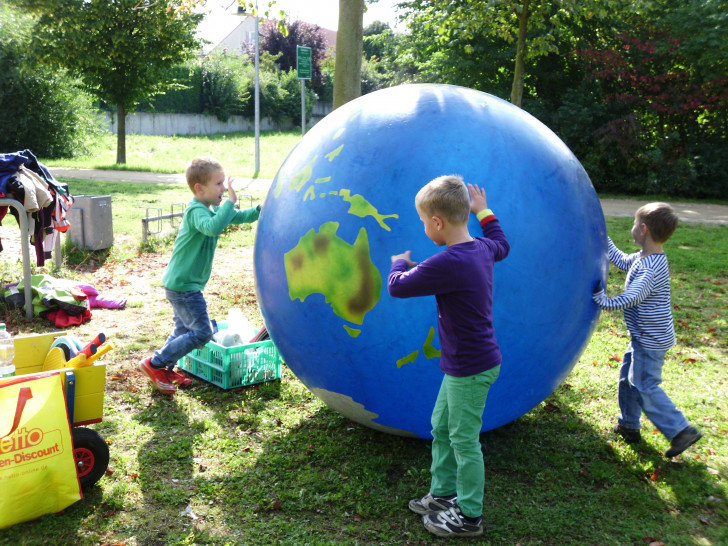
{"x": 457, "y": 458}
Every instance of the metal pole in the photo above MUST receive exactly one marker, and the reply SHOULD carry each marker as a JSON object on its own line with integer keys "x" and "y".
{"x": 257, "y": 95}
{"x": 303, "y": 107}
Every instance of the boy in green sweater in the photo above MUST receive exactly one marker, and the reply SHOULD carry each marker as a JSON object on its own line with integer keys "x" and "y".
{"x": 190, "y": 266}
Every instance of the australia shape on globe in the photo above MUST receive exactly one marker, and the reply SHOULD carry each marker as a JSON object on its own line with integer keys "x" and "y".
{"x": 324, "y": 263}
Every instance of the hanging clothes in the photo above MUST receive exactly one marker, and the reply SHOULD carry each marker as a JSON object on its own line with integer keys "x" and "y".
{"x": 25, "y": 179}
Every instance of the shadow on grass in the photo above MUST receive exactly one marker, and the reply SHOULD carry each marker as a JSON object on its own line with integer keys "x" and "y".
{"x": 269, "y": 464}
{"x": 550, "y": 478}
{"x": 553, "y": 476}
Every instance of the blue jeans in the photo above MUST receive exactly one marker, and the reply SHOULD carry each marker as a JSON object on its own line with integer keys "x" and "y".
{"x": 639, "y": 391}
{"x": 457, "y": 458}
{"x": 192, "y": 327}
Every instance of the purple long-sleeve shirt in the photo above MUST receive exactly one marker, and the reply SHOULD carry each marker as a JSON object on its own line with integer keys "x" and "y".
{"x": 461, "y": 279}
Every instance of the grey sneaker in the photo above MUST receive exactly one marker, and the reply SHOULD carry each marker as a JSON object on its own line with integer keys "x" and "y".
{"x": 630, "y": 435}
{"x": 430, "y": 504}
{"x": 684, "y": 439}
{"x": 452, "y": 523}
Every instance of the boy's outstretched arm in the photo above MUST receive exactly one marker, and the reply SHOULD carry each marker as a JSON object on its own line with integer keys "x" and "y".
{"x": 488, "y": 222}
{"x": 232, "y": 196}
{"x": 639, "y": 288}
{"x": 406, "y": 256}
{"x": 242, "y": 216}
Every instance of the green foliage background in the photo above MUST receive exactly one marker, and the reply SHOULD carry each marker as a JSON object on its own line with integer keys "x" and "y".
{"x": 41, "y": 110}
{"x": 637, "y": 90}
{"x": 651, "y": 118}
{"x": 223, "y": 86}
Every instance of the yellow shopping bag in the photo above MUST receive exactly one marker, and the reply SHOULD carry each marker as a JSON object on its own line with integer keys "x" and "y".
{"x": 37, "y": 468}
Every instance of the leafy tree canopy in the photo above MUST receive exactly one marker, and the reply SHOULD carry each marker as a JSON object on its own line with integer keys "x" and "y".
{"x": 120, "y": 49}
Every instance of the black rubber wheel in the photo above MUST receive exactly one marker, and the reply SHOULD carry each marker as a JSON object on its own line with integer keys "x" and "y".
{"x": 91, "y": 455}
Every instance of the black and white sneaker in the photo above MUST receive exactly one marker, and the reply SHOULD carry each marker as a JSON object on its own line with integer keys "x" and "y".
{"x": 453, "y": 523}
{"x": 430, "y": 504}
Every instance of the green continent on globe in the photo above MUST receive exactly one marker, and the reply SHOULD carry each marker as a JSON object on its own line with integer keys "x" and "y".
{"x": 323, "y": 263}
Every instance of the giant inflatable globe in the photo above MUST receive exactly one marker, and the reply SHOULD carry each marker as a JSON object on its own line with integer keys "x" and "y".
{"x": 342, "y": 204}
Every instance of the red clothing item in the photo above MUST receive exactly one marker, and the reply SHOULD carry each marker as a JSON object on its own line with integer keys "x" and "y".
{"x": 61, "y": 319}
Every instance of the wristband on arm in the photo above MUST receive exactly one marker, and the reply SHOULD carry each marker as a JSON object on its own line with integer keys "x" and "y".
{"x": 485, "y": 216}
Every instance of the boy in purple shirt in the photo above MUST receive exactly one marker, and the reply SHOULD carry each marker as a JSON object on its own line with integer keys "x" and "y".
{"x": 461, "y": 279}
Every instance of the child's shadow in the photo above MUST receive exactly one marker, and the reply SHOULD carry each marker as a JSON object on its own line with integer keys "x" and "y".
{"x": 166, "y": 466}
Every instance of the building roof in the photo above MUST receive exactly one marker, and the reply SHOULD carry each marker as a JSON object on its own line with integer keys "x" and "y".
{"x": 228, "y": 31}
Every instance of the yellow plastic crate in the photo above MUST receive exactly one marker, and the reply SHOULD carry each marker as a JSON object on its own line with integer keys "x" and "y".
{"x": 88, "y": 403}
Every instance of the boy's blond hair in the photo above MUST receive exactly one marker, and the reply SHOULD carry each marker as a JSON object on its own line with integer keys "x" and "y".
{"x": 660, "y": 218}
{"x": 445, "y": 196}
{"x": 200, "y": 170}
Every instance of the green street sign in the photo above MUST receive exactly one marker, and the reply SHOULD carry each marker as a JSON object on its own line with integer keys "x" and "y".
{"x": 303, "y": 62}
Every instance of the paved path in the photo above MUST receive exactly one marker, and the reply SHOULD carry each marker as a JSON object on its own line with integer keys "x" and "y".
{"x": 688, "y": 212}
{"x": 138, "y": 176}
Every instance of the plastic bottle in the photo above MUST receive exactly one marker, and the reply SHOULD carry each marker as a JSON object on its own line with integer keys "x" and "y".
{"x": 7, "y": 353}
{"x": 236, "y": 322}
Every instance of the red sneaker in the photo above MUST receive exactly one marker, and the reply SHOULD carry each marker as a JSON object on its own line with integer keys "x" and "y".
{"x": 158, "y": 376}
{"x": 178, "y": 379}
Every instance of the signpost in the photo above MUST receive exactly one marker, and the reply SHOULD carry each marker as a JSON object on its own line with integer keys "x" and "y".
{"x": 303, "y": 68}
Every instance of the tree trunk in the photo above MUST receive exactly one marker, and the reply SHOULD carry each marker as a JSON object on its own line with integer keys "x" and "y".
{"x": 349, "y": 45}
{"x": 517, "y": 89}
{"x": 120, "y": 133}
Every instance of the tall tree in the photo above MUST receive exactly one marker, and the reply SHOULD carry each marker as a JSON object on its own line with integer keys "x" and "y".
{"x": 119, "y": 48}
{"x": 482, "y": 29}
{"x": 349, "y": 48}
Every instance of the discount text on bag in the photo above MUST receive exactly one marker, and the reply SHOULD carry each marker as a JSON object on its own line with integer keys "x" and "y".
{"x": 37, "y": 469}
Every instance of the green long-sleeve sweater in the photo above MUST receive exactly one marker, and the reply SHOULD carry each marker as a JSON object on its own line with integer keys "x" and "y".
{"x": 194, "y": 249}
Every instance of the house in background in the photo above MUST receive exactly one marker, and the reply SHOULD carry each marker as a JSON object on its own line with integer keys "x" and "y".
{"x": 226, "y": 32}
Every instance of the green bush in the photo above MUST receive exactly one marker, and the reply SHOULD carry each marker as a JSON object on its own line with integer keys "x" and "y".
{"x": 185, "y": 95}
{"x": 217, "y": 85}
{"x": 280, "y": 95}
{"x": 292, "y": 104}
{"x": 220, "y": 95}
{"x": 41, "y": 111}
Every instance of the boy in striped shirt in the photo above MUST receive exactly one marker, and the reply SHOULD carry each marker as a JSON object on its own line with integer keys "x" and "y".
{"x": 646, "y": 306}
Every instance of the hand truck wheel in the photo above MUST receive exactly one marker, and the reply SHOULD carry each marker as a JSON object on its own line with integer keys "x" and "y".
{"x": 91, "y": 455}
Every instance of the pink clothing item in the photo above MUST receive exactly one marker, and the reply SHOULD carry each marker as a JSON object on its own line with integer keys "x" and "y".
{"x": 98, "y": 301}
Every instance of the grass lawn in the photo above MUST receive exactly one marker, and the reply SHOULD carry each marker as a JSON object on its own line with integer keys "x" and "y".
{"x": 273, "y": 465}
{"x": 163, "y": 154}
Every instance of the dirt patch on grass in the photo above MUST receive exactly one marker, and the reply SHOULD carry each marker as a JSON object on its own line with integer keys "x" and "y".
{"x": 142, "y": 326}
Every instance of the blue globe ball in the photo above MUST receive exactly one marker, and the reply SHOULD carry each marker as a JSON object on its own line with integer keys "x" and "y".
{"x": 342, "y": 204}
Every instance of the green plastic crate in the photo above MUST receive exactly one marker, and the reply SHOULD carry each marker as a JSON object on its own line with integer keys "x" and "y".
{"x": 232, "y": 367}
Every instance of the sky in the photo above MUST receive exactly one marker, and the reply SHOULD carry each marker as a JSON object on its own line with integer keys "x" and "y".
{"x": 324, "y": 13}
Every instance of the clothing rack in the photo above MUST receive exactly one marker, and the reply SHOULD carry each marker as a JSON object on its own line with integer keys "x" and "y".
{"x": 27, "y": 224}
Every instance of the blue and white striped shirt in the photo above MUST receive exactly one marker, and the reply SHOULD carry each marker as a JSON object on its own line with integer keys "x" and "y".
{"x": 645, "y": 300}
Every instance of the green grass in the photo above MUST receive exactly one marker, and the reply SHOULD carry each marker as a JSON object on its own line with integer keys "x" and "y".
{"x": 163, "y": 154}
{"x": 273, "y": 465}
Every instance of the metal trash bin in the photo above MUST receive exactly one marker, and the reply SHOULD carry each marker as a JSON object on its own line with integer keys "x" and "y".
{"x": 91, "y": 222}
